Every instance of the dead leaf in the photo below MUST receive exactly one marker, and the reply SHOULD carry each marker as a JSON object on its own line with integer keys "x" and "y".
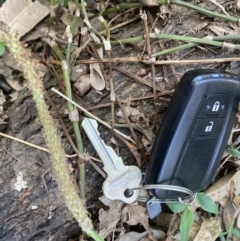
{"x": 131, "y": 216}
{"x": 209, "y": 230}
{"x": 145, "y": 239}
{"x": 194, "y": 230}
{"x": 5, "y": 70}
{"x": 148, "y": 133}
{"x": 71, "y": 7}
{"x": 109, "y": 219}
{"x": 165, "y": 13}
{"x": 163, "y": 219}
{"x": 134, "y": 114}
{"x": 238, "y": 4}
{"x": 78, "y": 71}
{"x": 67, "y": 19}
{"x": 9, "y": 60}
{"x": 96, "y": 24}
{"x": 150, "y": 2}
{"x": 132, "y": 236}
{"x": 238, "y": 221}
{"x": 221, "y": 188}
{"x": 96, "y": 77}
{"x": 147, "y": 145}
{"x": 228, "y": 213}
{"x": 83, "y": 84}
{"x": 2, "y": 97}
{"x": 174, "y": 224}
{"x": 219, "y": 30}
{"x": 158, "y": 233}
{"x": 15, "y": 84}
{"x": 1, "y": 113}
{"x": 22, "y": 15}
{"x": 236, "y": 201}
{"x": 2, "y": 100}
{"x": 38, "y": 32}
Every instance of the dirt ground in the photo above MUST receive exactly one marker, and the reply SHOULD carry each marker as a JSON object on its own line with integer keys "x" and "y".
{"x": 51, "y": 220}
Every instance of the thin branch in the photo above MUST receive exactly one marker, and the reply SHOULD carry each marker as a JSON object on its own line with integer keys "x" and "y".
{"x": 162, "y": 62}
{"x": 139, "y": 145}
{"x": 91, "y": 115}
{"x": 150, "y": 57}
{"x": 141, "y": 80}
{"x": 162, "y": 47}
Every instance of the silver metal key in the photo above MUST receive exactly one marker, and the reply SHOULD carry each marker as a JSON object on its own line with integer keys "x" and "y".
{"x": 120, "y": 178}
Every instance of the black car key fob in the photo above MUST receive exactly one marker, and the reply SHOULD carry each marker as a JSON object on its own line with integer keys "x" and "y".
{"x": 194, "y": 132}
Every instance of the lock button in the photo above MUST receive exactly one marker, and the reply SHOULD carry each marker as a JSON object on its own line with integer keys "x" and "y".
{"x": 207, "y": 127}
{"x": 215, "y": 105}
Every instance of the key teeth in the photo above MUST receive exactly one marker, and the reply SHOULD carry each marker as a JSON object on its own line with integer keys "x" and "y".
{"x": 115, "y": 189}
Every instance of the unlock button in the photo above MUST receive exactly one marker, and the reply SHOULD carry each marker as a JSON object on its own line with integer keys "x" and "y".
{"x": 207, "y": 127}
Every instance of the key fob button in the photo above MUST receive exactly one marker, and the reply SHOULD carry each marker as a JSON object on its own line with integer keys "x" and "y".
{"x": 191, "y": 169}
{"x": 192, "y": 179}
{"x": 207, "y": 127}
{"x": 215, "y": 105}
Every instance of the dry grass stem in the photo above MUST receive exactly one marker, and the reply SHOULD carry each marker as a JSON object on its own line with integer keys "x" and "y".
{"x": 162, "y": 62}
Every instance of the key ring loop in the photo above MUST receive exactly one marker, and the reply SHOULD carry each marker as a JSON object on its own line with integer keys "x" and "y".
{"x": 187, "y": 200}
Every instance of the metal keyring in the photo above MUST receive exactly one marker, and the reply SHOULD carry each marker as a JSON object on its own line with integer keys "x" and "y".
{"x": 187, "y": 200}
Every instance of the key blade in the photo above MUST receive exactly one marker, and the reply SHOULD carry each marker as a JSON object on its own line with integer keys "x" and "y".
{"x": 106, "y": 153}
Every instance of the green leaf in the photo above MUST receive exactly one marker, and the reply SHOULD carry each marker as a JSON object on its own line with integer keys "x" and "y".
{"x": 234, "y": 152}
{"x": 64, "y": 3}
{"x": 206, "y": 203}
{"x": 222, "y": 234}
{"x": 186, "y": 223}
{"x": 177, "y": 207}
{"x": 236, "y": 232}
{"x": 2, "y": 48}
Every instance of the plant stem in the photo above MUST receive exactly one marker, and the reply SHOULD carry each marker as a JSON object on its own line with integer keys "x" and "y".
{"x": 190, "y": 45}
{"x": 57, "y": 50}
{"x": 174, "y": 50}
{"x": 189, "y": 39}
{"x": 53, "y": 141}
{"x": 182, "y": 38}
{"x": 108, "y": 48}
{"x": 76, "y": 16}
{"x": 193, "y": 42}
{"x": 128, "y": 40}
{"x": 52, "y": 12}
{"x": 67, "y": 80}
{"x": 95, "y": 236}
{"x": 72, "y": 28}
{"x": 204, "y": 11}
{"x": 76, "y": 128}
{"x": 86, "y": 20}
